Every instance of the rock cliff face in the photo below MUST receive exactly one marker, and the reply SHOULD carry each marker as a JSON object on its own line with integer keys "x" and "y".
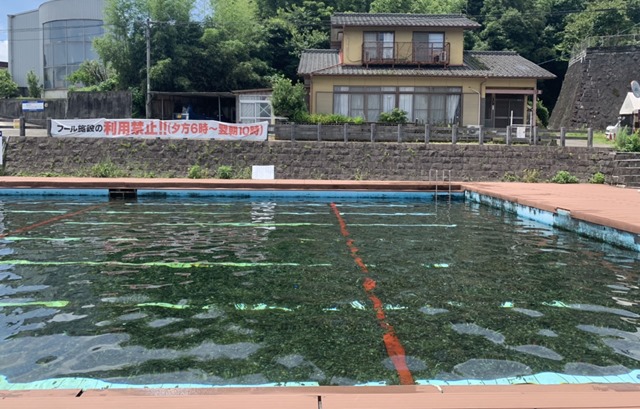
{"x": 595, "y": 87}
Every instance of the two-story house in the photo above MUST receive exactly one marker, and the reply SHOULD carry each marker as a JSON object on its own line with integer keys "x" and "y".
{"x": 417, "y": 63}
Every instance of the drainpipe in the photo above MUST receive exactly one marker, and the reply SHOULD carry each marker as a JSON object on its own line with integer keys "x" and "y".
{"x": 10, "y": 43}
{"x": 479, "y": 100}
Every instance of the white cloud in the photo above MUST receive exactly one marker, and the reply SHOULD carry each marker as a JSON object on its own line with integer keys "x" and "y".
{"x": 4, "y": 50}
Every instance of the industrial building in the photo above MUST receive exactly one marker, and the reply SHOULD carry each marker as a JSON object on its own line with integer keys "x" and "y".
{"x": 53, "y": 41}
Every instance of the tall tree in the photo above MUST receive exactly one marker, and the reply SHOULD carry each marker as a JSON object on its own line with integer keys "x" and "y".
{"x": 438, "y": 6}
{"x": 391, "y": 6}
{"x": 233, "y": 46}
{"x": 124, "y": 40}
{"x": 600, "y": 18}
{"x": 295, "y": 29}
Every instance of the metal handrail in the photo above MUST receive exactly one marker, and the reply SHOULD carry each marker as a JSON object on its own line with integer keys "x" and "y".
{"x": 405, "y": 53}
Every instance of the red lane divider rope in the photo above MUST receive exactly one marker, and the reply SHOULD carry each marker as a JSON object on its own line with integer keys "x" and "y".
{"x": 49, "y": 221}
{"x": 392, "y": 343}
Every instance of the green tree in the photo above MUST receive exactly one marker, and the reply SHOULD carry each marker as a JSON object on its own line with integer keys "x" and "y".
{"x": 438, "y": 6}
{"x": 391, "y": 6}
{"x": 8, "y": 87}
{"x": 293, "y": 30}
{"x": 124, "y": 41}
{"x": 34, "y": 87}
{"x": 288, "y": 100}
{"x": 93, "y": 76}
{"x": 600, "y": 18}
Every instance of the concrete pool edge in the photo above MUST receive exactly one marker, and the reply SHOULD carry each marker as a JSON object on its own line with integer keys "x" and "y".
{"x": 561, "y": 218}
{"x": 604, "y": 213}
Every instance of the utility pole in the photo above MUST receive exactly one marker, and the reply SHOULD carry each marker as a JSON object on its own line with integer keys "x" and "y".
{"x": 148, "y": 100}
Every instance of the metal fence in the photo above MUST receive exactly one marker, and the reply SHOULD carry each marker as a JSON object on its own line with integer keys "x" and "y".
{"x": 412, "y": 133}
{"x": 623, "y": 40}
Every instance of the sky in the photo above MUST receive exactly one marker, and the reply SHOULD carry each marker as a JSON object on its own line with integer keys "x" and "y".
{"x": 12, "y": 7}
{"x": 20, "y": 6}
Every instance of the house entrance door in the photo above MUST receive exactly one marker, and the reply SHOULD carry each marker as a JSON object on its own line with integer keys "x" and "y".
{"x": 502, "y": 110}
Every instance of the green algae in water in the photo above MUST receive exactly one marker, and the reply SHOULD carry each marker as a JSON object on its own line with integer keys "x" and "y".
{"x": 270, "y": 293}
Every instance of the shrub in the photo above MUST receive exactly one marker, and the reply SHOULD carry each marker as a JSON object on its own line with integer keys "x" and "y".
{"x": 510, "y": 177}
{"x": 33, "y": 85}
{"x": 196, "y": 172}
{"x": 626, "y": 142}
{"x": 597, "y": 177}
{"x": 396, "y": 116}
{"x": 542, "y": 113}
{"x": 288, "y": 100}
{"x": 564, "y": 177}
{"x": 106, "y": 169}
{"x": 225, "y": 172}
{"x": 332, "y": 119}
{"x": 531, "y": 176}
{"x": 8, "y": 87}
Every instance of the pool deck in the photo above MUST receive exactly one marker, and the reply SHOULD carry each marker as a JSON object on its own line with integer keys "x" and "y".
{"x": 405, "y": 397}
{"x": 614, "y": 207}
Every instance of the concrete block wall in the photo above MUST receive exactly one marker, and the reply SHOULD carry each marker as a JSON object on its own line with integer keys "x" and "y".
{"x": 115, "y": 104}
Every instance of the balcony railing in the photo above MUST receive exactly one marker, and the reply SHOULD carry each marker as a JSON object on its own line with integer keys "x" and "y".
{"x": 405, "y": 53}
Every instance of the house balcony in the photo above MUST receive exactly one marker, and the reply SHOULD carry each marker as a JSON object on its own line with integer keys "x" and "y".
{"x": 405, "y": 53}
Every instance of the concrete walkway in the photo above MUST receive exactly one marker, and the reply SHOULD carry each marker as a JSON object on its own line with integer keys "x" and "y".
{"x": 361, "y": 397}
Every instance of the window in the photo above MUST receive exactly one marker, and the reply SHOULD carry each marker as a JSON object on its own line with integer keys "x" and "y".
{"x": 428, "y": 47}
{"x": 434, "y": 105}
{"x": 67, "y": 43}
{"x": 378, "y": 46}
{"x": 254, "y": 108}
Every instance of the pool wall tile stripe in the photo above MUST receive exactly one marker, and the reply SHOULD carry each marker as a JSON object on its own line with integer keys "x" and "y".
{"x": 544, "y": 378}
{"x": 239, "y": 193}
{"x": 85, "y": 384}
{"x": 561, "y": 219}
{"x": 54, "y": 192}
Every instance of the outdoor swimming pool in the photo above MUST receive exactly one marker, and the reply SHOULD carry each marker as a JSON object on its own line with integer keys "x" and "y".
{"x": 309, "y": 291}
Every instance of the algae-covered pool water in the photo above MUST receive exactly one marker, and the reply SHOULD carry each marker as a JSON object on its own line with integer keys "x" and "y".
{"x": 274, "y": 291}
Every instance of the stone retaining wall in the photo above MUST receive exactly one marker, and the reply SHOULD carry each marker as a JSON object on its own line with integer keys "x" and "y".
{"x": 595, "y": 87}
{"x": 300, "y": 160}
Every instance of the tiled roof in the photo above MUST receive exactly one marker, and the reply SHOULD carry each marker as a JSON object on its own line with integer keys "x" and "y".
{"x": 314, "y": 60}
{"x": 491, "y": 64}
{"x": 402, "y": 20}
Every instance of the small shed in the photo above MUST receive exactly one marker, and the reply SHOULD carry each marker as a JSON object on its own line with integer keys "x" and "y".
{"x": 630, "y": 112}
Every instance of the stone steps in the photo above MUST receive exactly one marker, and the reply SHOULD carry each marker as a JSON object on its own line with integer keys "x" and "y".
{"x": 627, "y": 169}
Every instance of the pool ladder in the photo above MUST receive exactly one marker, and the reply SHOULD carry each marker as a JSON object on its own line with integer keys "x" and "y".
{"x": 446, "y": 177}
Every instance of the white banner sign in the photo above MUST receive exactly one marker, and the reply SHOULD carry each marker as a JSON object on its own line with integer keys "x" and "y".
{"x": 155, "y": 128}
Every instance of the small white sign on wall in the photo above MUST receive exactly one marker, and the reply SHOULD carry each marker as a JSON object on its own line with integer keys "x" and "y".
{"x": 521, "y": 132}
{"x": 263, "y": 172}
